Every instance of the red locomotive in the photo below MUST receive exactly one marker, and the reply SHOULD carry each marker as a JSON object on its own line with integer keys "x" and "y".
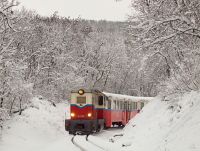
{"x": 92, "y": 110}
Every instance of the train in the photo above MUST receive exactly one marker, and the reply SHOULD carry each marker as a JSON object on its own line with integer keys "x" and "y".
{"x": 92, "y": 110}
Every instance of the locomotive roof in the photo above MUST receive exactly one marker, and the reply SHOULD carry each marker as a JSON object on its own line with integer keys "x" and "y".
{"x": 113, "y": 96}
{"x": 87, "y": 91}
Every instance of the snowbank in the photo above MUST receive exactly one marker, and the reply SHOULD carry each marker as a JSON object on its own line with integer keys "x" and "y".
{"x": 165, "y": 126}
{"x": 40, "y": 127}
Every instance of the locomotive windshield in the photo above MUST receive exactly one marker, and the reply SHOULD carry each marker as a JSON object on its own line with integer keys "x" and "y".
{"x": 81, "y": 100}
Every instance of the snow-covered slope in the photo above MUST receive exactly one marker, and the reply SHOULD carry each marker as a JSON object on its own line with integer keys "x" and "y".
{"x": 161, "y": 126}
{"x": 165, "y": 126}
{"x": 41, "y": 128}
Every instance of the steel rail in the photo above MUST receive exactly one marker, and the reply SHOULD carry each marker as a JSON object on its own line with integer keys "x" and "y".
{"x": 77, "y": 145}
{"x": 95, "y": 144}
{"x": 84, "y": 149}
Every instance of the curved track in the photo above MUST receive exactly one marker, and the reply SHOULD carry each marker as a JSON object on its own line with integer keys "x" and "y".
{"x": 87, "y": 146}
{"x": 77, "y": 145}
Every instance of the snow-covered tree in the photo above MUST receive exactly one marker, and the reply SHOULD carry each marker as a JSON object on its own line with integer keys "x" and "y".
{"x": 7, "y": 53}
{"x": 167, "y": 35}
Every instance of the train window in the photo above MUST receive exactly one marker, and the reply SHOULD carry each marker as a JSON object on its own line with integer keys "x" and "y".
{"x": 109, "y": 104}
{"x": 121, "y": 105}
{"x": 117, "y": 105}
{"x": 129, "y": 105}
{"x": 100, "y": 100}
{"x": 81, "y": 100}
{"x": 114, "y": 104}
{"x": 135, "y": 105}
{"x": 142, "y": 105}
{"x": 125, "y": 105}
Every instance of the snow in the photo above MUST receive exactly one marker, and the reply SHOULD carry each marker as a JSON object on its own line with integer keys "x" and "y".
{"x": 171, "y": 125}
{"x": 86, "y": 145}
{"x": 113, "y": 96}
{"x": 41, "y": 128}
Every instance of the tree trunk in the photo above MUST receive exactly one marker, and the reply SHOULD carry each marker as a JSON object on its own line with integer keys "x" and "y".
{"x": 11, "y": 107}
{"x": 20, "y": 106}
{"x": 1, "y": 103}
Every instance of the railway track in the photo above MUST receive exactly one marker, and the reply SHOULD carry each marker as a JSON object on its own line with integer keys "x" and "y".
{"x": 84, "y": 144}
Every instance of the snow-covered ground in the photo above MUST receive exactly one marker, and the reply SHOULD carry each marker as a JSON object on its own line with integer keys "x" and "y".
{"x": 161, "y": 126}
{"x": 41, "y": 128}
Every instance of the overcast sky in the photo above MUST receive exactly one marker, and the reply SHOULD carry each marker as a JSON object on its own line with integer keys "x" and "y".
{"x": 87, "y": 9}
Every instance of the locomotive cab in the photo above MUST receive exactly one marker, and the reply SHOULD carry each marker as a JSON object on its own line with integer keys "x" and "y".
{"x": 84, "y": 116}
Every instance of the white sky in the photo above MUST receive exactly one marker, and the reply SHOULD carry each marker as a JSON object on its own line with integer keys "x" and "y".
{"x": 87, "y": 9}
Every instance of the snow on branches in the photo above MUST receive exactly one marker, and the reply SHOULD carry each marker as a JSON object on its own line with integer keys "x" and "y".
{"x": 171, "y": 29}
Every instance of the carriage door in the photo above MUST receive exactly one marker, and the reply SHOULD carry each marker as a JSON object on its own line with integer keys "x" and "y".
{"x": 127, "y": 112}
{"x": 124, "y": 113}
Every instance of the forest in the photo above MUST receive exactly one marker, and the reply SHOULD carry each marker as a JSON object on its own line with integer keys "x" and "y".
{"x": 155, "y": 52}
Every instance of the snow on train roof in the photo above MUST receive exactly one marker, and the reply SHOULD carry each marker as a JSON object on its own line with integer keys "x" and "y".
{"x": 113, "y": 96}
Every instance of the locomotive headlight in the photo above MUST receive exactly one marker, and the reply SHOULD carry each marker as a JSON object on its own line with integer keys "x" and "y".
{"x": 72, "y": 114}
{"x": 81, "y": 92}
{"x": 89, "y": 114}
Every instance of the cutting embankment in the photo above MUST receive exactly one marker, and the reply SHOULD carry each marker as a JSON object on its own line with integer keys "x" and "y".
{"x": 170, "y": 125}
